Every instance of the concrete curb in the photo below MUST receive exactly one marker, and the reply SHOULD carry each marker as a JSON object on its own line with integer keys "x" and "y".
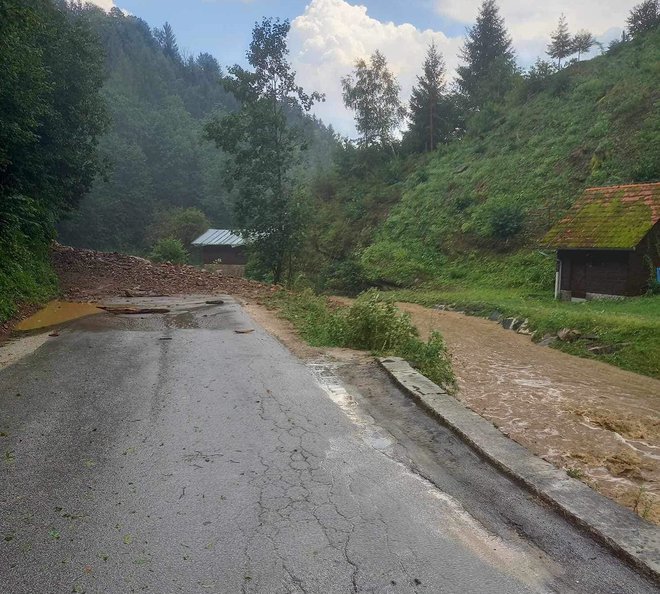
{"x": 628, "y": 535}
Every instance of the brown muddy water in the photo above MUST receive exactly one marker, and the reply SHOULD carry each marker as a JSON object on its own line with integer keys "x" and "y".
{"x": 57, "y": 312}
{"x": 33, "y": 332}
{"x": 599, "y": 421}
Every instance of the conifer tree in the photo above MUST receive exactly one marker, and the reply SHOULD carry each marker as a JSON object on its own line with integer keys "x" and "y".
{"x": 425, "y": 102}
{"x": 167, "y": 41}
{"x": 561, "y": 45}
{"x": 488, "y": 56}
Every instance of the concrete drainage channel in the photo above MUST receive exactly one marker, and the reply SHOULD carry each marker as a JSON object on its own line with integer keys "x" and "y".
{"x": 622, "y": 530}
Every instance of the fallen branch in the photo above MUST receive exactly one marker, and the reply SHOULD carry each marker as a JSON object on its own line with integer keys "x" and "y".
{"x": 133, "y": 310}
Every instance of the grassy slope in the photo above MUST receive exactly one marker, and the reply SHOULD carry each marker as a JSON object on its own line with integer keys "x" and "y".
{"x": 597, "y": 123}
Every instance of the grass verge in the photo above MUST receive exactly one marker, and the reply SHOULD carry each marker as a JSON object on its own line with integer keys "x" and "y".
{"x": 373, "y": 323}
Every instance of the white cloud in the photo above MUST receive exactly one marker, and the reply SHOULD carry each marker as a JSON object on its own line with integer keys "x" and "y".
{"x": 104, "y": 4}
{"x": 531, "y": 22}
{"x": 327, "y": 39}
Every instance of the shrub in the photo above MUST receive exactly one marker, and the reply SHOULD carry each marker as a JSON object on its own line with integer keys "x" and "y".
{"x": 26, "y": 275}
{"x": 345, "y": 276}
{"x": 392, "y": 263}
{"x": 372, "y": 323}
{"x": 500, "y": 218}
{"x": 376, "y": 324}
{"x": 169, "y": 250}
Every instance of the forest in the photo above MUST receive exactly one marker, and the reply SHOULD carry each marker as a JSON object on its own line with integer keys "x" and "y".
{"x": 124, "y": 143}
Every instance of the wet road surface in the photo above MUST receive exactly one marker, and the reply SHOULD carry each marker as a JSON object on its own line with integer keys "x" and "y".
{"x": 168, "y": 453}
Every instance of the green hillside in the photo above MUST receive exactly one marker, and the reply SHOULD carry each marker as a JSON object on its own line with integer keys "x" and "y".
{"x": 463, "y": 225}
{"x": 522, "y": 164}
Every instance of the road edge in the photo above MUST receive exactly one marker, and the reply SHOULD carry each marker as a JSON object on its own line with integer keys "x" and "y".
{"x": 623, "y": 531}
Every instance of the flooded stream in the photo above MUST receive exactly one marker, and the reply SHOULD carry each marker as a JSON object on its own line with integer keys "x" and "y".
{"x": 599, "y": 421}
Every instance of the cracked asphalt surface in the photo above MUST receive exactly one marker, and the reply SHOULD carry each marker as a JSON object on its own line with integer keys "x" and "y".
{"x": 170, "y": 454}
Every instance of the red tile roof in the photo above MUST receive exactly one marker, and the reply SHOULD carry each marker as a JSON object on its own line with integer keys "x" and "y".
{"x": 613, "y": 217}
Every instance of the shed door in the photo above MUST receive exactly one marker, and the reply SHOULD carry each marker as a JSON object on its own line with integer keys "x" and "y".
{"x": 579, "y": 276}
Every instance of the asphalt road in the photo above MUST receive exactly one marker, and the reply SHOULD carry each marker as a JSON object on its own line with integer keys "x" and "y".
{"x": 167, "y": 453}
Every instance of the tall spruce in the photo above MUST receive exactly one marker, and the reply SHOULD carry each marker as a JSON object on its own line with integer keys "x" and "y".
{"x": 489, "y": 58}
{"x": 263, "y": 148}
{"x": 561, "y": 45}
{"x": 644, "y": 17}
{"x": 168, "y": 43}
{"x": 426, "y": 123}
{"x": 372, "y": 92}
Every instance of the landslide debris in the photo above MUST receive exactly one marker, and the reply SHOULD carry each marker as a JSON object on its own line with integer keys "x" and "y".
{"x": 88, "y": 275}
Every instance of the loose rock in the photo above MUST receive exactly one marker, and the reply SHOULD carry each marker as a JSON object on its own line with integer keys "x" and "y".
{"x": 568, "y": 335}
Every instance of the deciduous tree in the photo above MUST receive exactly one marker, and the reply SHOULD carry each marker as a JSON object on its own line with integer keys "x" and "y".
{"x": 263, "y": 147}
{"x": 372, "y": 92}
{"x": 644, "y": 17}
{"x": 51, "y": 112}
{"x": 583, "y": 42}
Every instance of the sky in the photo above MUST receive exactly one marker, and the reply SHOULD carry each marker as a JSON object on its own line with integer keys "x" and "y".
{"x": 328, "y": 36}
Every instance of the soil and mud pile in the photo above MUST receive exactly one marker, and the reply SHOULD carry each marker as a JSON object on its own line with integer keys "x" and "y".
{"x": 88, "y": 274}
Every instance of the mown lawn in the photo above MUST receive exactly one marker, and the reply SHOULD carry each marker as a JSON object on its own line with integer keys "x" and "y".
{"x": 630, "y": 325}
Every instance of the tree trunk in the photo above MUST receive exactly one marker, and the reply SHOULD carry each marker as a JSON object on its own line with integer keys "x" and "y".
{"x": 277, "y": 272}
{"x": 289, "y": 281}
{"x": 431, "y": 127}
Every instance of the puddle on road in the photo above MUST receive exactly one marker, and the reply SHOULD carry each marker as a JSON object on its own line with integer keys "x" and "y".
{"x": 26, "y": 340}
{"x": 57, "y": 312}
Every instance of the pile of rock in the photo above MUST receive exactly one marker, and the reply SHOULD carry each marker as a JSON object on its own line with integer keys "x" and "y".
{"x": 87, "y": 274}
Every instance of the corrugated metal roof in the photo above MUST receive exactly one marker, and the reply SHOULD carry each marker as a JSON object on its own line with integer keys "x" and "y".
{"x": 614, "y": 217}
{"x": 219, "y": 237}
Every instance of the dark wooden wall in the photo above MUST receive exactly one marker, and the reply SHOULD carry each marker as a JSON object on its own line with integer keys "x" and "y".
{"x": 225, "y": 253}
{"x": 610, "y": 272}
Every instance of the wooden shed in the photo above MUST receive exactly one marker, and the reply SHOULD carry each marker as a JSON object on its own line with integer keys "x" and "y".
{"x": 608, "y": 244}
{"x": 222, "y": 247}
